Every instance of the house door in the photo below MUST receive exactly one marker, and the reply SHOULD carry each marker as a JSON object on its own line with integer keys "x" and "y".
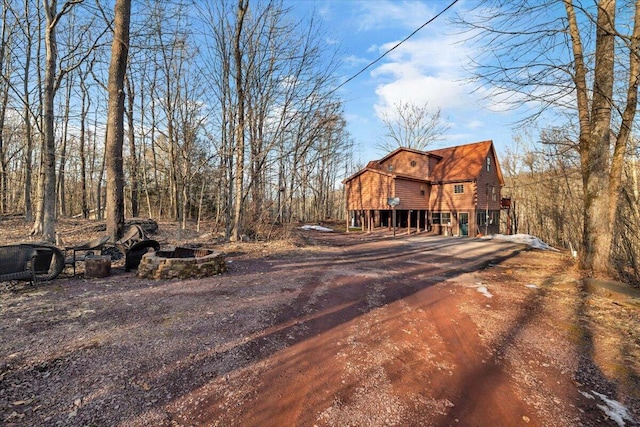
{"x": 463, "y": 222}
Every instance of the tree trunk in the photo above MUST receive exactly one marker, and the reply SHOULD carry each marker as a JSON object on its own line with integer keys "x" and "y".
{"x": 598, "y": 231}
{"x": 49, "y": 155}
{"x": 115, "y": 119}
{"x": 62, "y": 208}
{"x": 133, "y": 155}
{"x": 83, "y": 161}
{"x": 240, "y": 141}
{"x": 28, "y": 210}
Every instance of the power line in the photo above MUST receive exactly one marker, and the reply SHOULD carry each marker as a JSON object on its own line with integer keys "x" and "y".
{"x": 394, "y": 47}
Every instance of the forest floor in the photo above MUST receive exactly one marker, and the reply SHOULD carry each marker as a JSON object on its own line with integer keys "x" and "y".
{"x": 323, "y": 329}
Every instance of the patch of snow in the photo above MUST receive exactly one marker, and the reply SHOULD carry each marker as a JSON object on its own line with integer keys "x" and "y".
{"x": 614, "y": 410}
{"x": 484, "y": 291}
{"x": 532, "y": 286}
{"x": 525, "y": 239}
{"x": 315, "y": 227}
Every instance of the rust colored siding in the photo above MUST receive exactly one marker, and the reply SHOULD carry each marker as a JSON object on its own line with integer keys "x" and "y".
{"x": 369, "y": 190}
{"x": 445, "y": 199}
{"x": 462, "y": 181}
{"x": 408, "y": 163}
{"x": 411, "y": 194}
{"x": 489, "y": 185}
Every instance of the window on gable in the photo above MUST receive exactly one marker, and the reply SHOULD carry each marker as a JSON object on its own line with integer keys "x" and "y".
{"x": 458, "y": 188}
{"x": 488, "y": 164}
{"x": 413, "y": 163}
{"x": 390, "y": 168}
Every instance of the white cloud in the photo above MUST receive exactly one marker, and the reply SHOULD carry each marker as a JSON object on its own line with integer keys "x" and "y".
{"x": 475, "y": 124}
{"x": 376, "y": 15}
{"x": 428, "y": 68}
{"x": 353, "y": 60}
{"x": 420, "y": 89}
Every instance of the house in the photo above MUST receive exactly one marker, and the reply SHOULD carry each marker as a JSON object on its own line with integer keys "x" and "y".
{"x": 450, "y": 191}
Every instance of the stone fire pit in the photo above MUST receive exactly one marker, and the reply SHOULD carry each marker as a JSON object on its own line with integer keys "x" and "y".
{"x": 182, "y": 263}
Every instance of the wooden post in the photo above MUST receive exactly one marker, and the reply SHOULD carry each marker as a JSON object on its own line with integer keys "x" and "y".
{"x": 394, "y": 220}
{"x": 409, "y": 222}
{"x": 348, "y": 220}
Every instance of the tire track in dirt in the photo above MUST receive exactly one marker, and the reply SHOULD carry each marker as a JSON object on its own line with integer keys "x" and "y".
{"x": 364, "y": 344}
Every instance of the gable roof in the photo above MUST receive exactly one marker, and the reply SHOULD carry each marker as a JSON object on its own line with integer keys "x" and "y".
{"x": 376, "y": 169}
{"x": 462, "y": 162}
{"x": 410, "y": 150}
{"x": 459, "y": 163}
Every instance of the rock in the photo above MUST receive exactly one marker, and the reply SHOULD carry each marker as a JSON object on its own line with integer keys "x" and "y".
{"x": 172, "y": 264}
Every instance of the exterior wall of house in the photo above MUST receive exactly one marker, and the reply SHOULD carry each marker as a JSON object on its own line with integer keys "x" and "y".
{"x": 412, "y": 194}
{"x": 369, "y": 190}
{"x": 408, "y": 163}
{"x": 489, "y": 196}
{"x": 445, "y": 200}
{"x": 453, "y": 207}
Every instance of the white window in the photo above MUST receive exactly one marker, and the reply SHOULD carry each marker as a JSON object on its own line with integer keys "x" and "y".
{"x": 446, "y": 218}
{"x": 435, "y": 217}
{"x": 488, "y": 164}
{"x": 443, "y": 218}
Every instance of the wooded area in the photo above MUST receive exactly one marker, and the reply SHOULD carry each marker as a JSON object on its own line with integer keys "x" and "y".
{"x": 544, "y": 182}
{"x": 576, "y": 66}
{"x": 229, "y": 115}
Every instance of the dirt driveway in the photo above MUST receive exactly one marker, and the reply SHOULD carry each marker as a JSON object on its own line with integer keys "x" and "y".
{"x": 351, "y": 330}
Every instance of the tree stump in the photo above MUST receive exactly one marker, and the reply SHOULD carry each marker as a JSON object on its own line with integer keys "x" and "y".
{"x": 97, "y": 266}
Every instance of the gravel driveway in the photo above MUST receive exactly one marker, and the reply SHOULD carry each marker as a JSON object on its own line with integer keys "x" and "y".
{"x": 351, "y": 330}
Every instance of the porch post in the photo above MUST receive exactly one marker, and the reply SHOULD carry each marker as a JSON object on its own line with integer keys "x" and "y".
{"x": 409, "y": 222}
{"x": 348, "y": 219}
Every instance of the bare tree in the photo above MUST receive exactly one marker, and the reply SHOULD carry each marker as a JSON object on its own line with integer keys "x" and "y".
{"x": 236, "y": 227}
{"x": 411, "y": 125}
{"x": 115, "y": 119}
{"x": 27, "y": 108}
{"x": 47, "y": 227}
{"x": 5, "y": 66}
{"x": 547, "y": 69}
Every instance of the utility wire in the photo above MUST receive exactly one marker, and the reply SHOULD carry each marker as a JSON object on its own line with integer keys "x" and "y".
{"x": 394, "y": 47}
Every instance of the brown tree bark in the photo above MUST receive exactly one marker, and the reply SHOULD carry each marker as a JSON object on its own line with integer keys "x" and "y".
{"x": 240, "y": 125}
{"x": 49, "y": 159}
{"x": 133, "y": 163}
{"x": 602, "y": 173}
{"x": 115, "y": 119}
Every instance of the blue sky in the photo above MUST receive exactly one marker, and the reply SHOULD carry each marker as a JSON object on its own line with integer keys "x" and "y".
{"x": 429, "y": 67}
